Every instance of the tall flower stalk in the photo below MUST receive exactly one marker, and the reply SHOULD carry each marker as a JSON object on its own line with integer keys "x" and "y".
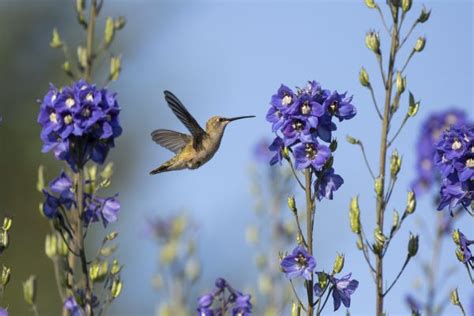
{"x": 303, "y": 124}
{"x": 79, "y": 124}
{"x": 394, "y": 84}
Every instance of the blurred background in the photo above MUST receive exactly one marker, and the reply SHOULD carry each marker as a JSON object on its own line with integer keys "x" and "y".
{"x": 221, "y": 58}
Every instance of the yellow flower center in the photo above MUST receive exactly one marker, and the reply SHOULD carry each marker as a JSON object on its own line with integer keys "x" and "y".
{"x": 456, "y": 144}
{"x": 297, "y": 126}
{"x": 53, "y": 117}
{"x": 333, "y": 107}
{"x": 70, "y": 102}
{"x": 305, "y": 108}
{"x": 301, "y": 260}
{"x": 286, "y": 100}
{"x": 310, "y": 151}
{"x": 89, "y": 97}
{"x": 470, "y": 163}
{"x": 68, "y": 119}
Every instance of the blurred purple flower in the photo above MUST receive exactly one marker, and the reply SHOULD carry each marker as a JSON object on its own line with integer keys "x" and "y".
{"x": 3, "y": 312}
{"x": 72, "y": 307}
{"x": 414, "y": 305}
{"x": 464, "y": 244}
{"x": 342, "y": 291}
{"x": 298, "y": 263}
{"x": 261, "y": 152}
{"x": 328, "y": 183}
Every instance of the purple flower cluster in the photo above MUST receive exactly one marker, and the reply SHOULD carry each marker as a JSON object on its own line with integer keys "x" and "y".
{"x": 454, "y": 159}
{"x": 463, "y": 243}
{"x": 301, "y": 264}
{"x": 79, "y": 123}
{"x": 429, "y": 135}
{"x": 222, "y": 299}
{"x": 60, "y": 198}
{"x": 303, "y": 122}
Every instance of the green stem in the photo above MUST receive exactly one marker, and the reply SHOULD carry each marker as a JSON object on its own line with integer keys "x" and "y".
{"x": 398, "y": 275}
{"x": 90, "y": 41}
{"x": 433, "y": 268}
{"x": 309, "y": 235}
{"x": 372, "y": 94}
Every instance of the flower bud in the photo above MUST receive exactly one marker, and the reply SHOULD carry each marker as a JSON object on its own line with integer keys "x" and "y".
{"x": 460, "y": 255}
{"x": 50, "y": 246}
{"x": 292, "y": 204}
{"x": 424, "y": 16}
{"x": 406, "y": 5}
{"x": 359, "y": 244}
{"x": 116, "y": 288}
{"x": 400, "y": 82}
{"x": 370, "y": 3}
{"x": 333, "y": 145}
{"x": 7, "y": 223}
{"x": 4, "y": 240}
{"x": 40, "y": 181}
{"x": 116, "y": 267}
{"x": 82, "y": 56}
{"x": 412, "y": 106}
{"x": 286, "y": 153}
{"x": 322, "y": 279}
{"x": 251, "y": 234}
{"x": 455, "y": 297}
{"x": 395, "y": 164}
{"x": 111, "y": 236}
{"x": 395, "y": 221}
{"x": 379, "y": 239}
{"x": 457, "y": 237}
{"x": 364, "y": 77}
{"x": 378, "y": 185}
{"x": 354, "y": 215}
{"x": 55, "y": 40}
{"x": 98, "y": 271}
{"x": 338, "y": 264}
{"x": 109, "y": 31}
{"x": 5, "y": 276}
{"x": 29, "y": 290}
{"x": 412, "y": 245}
{"x": 420, "y": 44}
{"x": 352, "y": 140}
{"x": 373, "y": 42}
{"x": 295, "y": 309}
{"x": 411, "y": 202}
{"x": 119, "y": 23}
{"x": 80, "y": 5}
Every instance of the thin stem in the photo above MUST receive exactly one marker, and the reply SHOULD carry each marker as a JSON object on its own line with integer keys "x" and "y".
{"x": 399, "y": 130}
{"x": 462, "y": 309}
{"x": 90, "y": 41}
{"x": 325, "y": 301}
{"x": 433, "y": 268}
{"x": 408, "y": 34}
{"x": 366, "y": 160}
{"x": 398, "y": 275}
{"x": 58, "y": 278}
{"x": 300, "y": 231}
{"x": 407, "y": 61}
{"x": 35, "y": 310}
{"x": 469, "y": 273}
{"x": 296, "y": 296}
{"x": 383, "y": 19}
{"x": 382, "y": 72}
{"x": 375, "y": 101}
{"x": 309, "y": 235}
{"x": 296, "y": 176}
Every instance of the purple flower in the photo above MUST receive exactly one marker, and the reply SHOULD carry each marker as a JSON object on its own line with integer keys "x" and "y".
{"x": 98, "y": 208}
{"x": 311, "y": 154}
{"x": 342, "y": 290}
{"x": 72, "y": 307}
{"x": 79, "y": 123}
{"x": 277, "y": 146}
{"x": 414, "y": 305}
{"x": 296, "y": 130}
{"x": 327, "y": 184}
{"x": 3, "y": 312}
{"x": 261, "y": 152}
{"x": 340, "y": 106}
{"x": 299, "y": 263}
{"x": 283, "y": 99}
{"x": 463, "y": 244}
{"x": 243, "y": 306}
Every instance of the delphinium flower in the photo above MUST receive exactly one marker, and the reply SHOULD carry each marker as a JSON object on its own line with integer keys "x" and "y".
{"x": 303, "y": 122}
{"x": 79, "y": 123}
{"x": 343, "y": 288}
{"x": 455, "y": 160}
{"x": 463, "y": 252}
{"x": 224, "y": 300}
{"x": 179, "y": 265}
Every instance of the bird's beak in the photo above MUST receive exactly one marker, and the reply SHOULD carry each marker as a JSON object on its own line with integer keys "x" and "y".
{"x": 238, "y": 118}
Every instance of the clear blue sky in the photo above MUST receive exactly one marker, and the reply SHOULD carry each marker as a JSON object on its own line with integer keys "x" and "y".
{"x": 228, "y": 58}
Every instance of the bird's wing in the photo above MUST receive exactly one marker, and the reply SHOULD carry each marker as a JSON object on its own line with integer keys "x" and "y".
{"x": 171, "y": 140}
{"x": 186, "y": 118}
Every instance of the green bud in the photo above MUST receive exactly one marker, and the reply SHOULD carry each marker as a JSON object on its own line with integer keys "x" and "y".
{"x": 5, "y": 276}
{"x": 292, "y": 204}
{"x": 379, "y": 240}
{"x": 116, "y": 288}
{"x": 56, "y": 40}
{"x": 286, "y": 153}
{"x": 354, "y": 215}
{"x": 352, "y": 140}
{"x": 457, "y": 237}
{"x": 364, "y": 77}
{"x": 80, "y": 5}
{"x": 108, "y": 250}
{"x": 295, "y": 309}
{"x": 333, "y": 145}
{"x": 4, "y": 240}
{"x": 460, "y": 255}
{"x": 400, "y": 82}
{"x": 111, "y": 236}
{"x": 412, "y": 106}
{"x": 396, "y": 220}
{"x": 29, "y": 290}
{"x": 51, "y": 246}
{"x": 40, "y": 181}
{"x": 378, "y": 185}
{"x": 115, "y": 68}
{"x": 406, "y": 5}
{"x": 372, "y": 41}
{"x": 108, "y": 171}
{"x": 359, "y": 244}
{"x": 424, "y": 15}
{"x": 98, "y": 271}
{"x": 395, "y": 164}
{"x": 82, "y": 56}
{"x": 322, "y": 279}
{"x": 119, "y": 23}
{"x": 420, "y": 44}
{"x": 412, "y": 245}
{"x": 7, "y": 223}
{"x": 371, "y": 4}
{"x": 411, "y": 202}
{"x": 455, "y": 297}
{"x": 116, "y": 267}
{"x": 338, "y": 264}
{"x": 109, "y": 31}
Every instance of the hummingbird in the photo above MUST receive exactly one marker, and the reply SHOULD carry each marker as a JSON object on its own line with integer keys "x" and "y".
{"x": 192, "y": 151}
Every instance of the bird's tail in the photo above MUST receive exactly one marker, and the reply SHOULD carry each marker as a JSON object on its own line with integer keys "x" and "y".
{"x": 167, "y": 166}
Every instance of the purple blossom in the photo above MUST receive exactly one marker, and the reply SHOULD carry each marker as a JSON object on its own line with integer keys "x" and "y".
{"x": 327, "y": 184}
{"x": 261, "y": 152}
{"x": 72, "y": 307}
{"x": 311, "y": 154}
{"x": 414, "y": 305}
{"x": 277, "y": 146}
{"x": 3, "y": 312}
{"x": 243, "y": 306}
{"x": 340, "y": 106}
{"x": 298, "y": 263}
{"x": 79, "y": 123}
{"x": 342, "y": 290}
{"x": 463, "y": 245}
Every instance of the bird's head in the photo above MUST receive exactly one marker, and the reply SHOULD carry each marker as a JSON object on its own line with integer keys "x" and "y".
{"x": 218, "y": 123}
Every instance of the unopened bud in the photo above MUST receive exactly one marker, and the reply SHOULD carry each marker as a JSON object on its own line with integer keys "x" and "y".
{"x": 364, "y": 77}
{"x": 115, "y": 67}
{"x": 115, "y": 267}
{"x": 400, "y": 82}
{"x": 116, "y": 288}
{"x": 370, "y": 3}
{"x": 82, "y": 56}
{"x": 378, "y": 185}
{"x": 5, "y": 276}
{"x": 395, "y": 164}
{"x": 4, "y": 240}
{"x": 338, "y": 264}
{"x": 354, "y": 215}
{"x": 359, "y": 244}
{"x": 372, "y": 42}
{"x": 80, "y": 5}
{"x": 412, "y": 106}
{"x": 424, "y": 15}
{"x": 379, "y": 239}
{"x": 55, "y": 39}
{"x": 286, "y": 153}
{"x": 50, "y": 246}
{"x": 29, "y": 290}
{"x": 460, "y": 255}
{"x": 292, "y": 204}
{"x": 98, "y": 271}
{"x": 413, "y": 245}
{"x": 395, "y": 221}
{"x": 109, "y": 31}
{"x": 457, "y": 237}
{"x": 406, "y": 5}
{"x": 333, "y": 145}
{"x": 411, "y": 202}
{"x": 7, "y": 223}
{"x": 420, "y": 44}
{"x": 352, "y": 140}
{"x": 455, "y": 297}
{"x": 295, "y": 310}
{"x": 119, "y": 23}
{"x": 111, "y": 236}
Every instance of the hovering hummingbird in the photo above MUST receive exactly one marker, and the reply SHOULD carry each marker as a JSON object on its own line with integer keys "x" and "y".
{"x": 192, "y": 151}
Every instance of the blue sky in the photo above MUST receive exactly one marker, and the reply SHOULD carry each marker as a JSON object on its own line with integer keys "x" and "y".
{"x": 228, "y": 58}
